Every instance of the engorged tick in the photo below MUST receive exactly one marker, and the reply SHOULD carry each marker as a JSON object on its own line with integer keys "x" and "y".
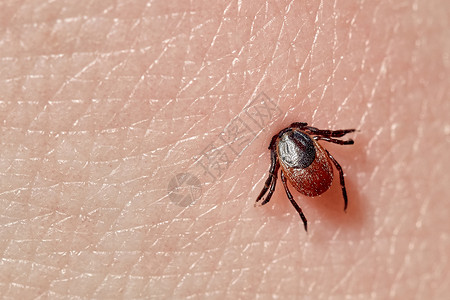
{"x": 304, "y": 162}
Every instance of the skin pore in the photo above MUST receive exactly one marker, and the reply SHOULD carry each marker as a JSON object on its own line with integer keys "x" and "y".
{"x": 134, "y": 143}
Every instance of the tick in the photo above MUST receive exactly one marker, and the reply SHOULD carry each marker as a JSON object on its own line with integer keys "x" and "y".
{"x": 304, "y": 162}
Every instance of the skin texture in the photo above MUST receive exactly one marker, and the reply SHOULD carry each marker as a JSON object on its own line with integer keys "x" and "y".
{"x": 102, "y": 103}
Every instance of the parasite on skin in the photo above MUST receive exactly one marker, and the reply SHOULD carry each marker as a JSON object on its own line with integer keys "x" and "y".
{"x": 304, "y": 163}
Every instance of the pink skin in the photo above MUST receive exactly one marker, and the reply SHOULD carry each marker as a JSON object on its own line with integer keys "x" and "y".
{"x": 103, "y": 103}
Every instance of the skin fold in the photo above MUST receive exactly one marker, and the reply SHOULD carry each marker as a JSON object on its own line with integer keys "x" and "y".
{"x": 134, "y": 137}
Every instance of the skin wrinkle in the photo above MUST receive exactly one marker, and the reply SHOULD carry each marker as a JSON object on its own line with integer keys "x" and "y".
{"x": 94, "y": 126}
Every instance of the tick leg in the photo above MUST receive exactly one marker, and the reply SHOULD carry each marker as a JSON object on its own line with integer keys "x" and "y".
{"x": 297, "y": 208}
{"x": 271, "y": 180}
{"x": 328, "y": 133}
{"x": 341, "y": 177}
{"x": 336, "y": 141}
{"x": 272, "y": 187}
{"x": 265, "y": 188}
{"x": 272, "y": 142}
{"x": 299, "y": 125}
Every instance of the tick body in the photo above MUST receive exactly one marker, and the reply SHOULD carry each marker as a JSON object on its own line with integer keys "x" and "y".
{"x": 304, "y": 162}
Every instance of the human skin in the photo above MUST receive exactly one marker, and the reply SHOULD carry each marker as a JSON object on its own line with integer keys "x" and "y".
{"x": 103, "y": 103}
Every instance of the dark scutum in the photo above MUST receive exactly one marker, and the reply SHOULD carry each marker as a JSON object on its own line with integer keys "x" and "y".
{"x": 296, "y": 149}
